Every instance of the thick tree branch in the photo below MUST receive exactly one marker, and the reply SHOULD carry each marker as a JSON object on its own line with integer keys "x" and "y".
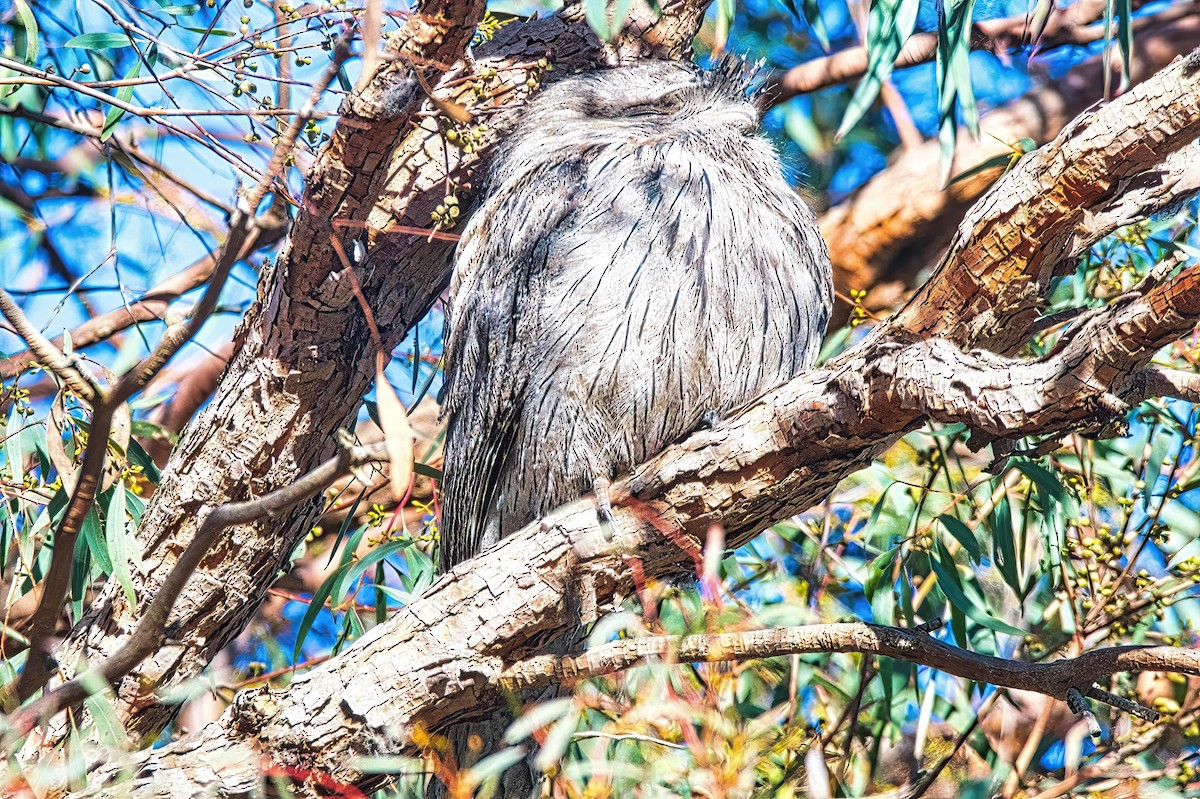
{"x": 1085, "y": 382}
{"x": 988, "y": 289}
{"x": 299, "y": 368}
{"x": 243, "y": 235}
{"x": 448, "y": 651}
{"x": 901, "y": 221}
{"x": 107, "y": 404}
{"x": 785, "y": 452}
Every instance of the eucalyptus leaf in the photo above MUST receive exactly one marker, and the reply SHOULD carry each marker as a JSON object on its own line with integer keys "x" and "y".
{"x": 889, "y": 25}
{"x": 29, "y": 27}
{"x": 99, "y": 41}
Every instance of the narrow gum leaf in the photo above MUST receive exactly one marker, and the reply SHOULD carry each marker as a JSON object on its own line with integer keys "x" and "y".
{"x": 396, "y": 433}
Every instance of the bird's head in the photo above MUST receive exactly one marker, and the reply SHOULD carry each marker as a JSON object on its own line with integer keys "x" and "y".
{"x": 652, "y": 102}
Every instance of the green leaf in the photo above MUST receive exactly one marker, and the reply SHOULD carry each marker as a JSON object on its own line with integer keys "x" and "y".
{"x": 883, "y": 606}
{"x": 958, "y": 624}
{"x": 1180, "y": 520}
{"x": 122, "y": 546}
{"x": 29, "y": 25}
{"x": 315, "y": 606}
{"x": 537, "y": 717}
{"x": 180, "y": 11}
{"x": 890, "y": 24}
{"x": 949, "y": 581}
{"x": 620, "y": 16}
{"x": 213, "y": 32}
{"x": 496, "y": 764}
{"x": 124, "y": 94}
{"x": 94, "y": 539}
{"x": 554, "y": 746}
{"x": 886, "y": 522}
{"x": 800, "y": 128}
{"x": 81, "y": 577}
{"x": 380, "y": 581}
{"x": 139, "y": 457}
{"x": 99, "y": 41}
{"x": 1005, "y": 160}
{"x": 954, "y": 77}
{"x": 596, "y": 14}
{"x": 354, "y": 628}
{"x": 427, "y": 470}
{"x": 1004, "y": 545}
{"x": 9, "y": 145}
{"x": 1124, "y": 12}
{"x": 1047, "y": 483}
{"x": 12, "y": 446}
{"x": 103, "y": 711}
{"x": 881, "y": 568}
{"x": 725, "y": 9}
{"x": 811, "y": 10}
{"x": 390, "y": 764}
{"x": 346, "y": 522}
{"x": 963, "y": 535}
{"x": 352, "y": 575}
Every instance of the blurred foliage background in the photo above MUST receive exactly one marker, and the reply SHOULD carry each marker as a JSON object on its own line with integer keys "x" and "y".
{"x": 1066, "y": 546}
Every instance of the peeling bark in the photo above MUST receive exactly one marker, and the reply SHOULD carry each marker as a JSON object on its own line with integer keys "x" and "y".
{"x": 901, "y": 221}
{"x": 301, "y": 361}
{"x": 443, "y": 658}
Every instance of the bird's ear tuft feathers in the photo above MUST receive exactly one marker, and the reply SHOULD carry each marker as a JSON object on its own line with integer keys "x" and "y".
{"x": 734, "y": 75}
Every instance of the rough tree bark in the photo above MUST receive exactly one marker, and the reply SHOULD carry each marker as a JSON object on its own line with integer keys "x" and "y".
{"x": 300, "y": 365}
{"x": 448, "y": 654}
{"x": 880, "y": 239}
{"x": 300, "y": 368}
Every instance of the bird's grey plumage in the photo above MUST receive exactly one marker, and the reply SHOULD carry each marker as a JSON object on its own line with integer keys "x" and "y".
{"x": 637, "y": 262}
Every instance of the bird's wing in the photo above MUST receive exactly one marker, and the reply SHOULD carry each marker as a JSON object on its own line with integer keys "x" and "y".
{"x": 500, "y": 266}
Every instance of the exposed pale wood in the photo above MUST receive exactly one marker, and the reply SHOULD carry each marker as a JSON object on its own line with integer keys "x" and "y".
{"x": 299, "y": 372}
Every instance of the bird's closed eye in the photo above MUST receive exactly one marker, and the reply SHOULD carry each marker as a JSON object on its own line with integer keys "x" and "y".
{"x": 668, "y": 99}
{"x": 642, "y": 110}
{"x": 657, "y": 106}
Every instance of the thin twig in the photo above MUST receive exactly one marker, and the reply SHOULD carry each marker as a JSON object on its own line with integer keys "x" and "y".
{"x": 153, "y": 627}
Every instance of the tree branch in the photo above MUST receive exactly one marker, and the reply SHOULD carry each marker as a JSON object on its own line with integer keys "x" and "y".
{"x": 152, "y": 305}
{"x": 901, "y": 221}
{"x": 788, "y": 450}
{"x": 153, "y": 626}
{"x": 1055, "y": 203}
{"x": 1069, "y": 26}
{"x": 450, "y": 651}
{"x": 1052, "y": 678}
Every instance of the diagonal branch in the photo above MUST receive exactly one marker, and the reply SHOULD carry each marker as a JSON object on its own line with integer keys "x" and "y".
{"x": 451, "y": 651}
{"x": 881, "y": 237}
{"x": 153, "y": 627}
{"x": 783, "y": 453}
{"x": 152, "y": 305}
{"x": 299, "y": 367}
{"x": 988, "y": 289}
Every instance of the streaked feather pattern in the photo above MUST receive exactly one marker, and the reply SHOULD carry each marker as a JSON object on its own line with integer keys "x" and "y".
{"x": 637, "y": 262}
